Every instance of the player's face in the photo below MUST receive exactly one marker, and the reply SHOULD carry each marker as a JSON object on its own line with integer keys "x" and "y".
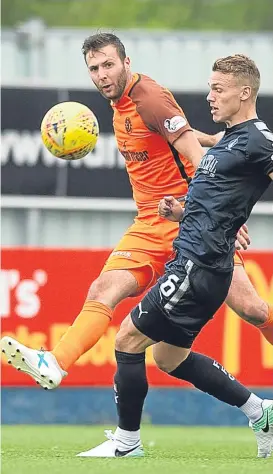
{"x": 225, "y": 96}
{"x": 108, "y": 72}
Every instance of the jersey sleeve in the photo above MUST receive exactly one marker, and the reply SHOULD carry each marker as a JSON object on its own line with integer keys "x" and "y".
{"x": 260, "y": 147}
{"x": 160, "y": 112}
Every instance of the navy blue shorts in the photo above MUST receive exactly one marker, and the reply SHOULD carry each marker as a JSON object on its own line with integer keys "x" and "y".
{"x": 182, "y": 301}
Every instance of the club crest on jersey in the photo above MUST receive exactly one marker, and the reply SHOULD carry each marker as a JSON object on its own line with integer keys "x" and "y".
{"x": 175, "y": 123}
{"x": 208, "y": 165}
{"x": 128, "y": 125}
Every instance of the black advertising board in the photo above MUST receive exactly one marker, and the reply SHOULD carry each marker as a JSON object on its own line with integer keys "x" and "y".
{"x": 28, "y": 169}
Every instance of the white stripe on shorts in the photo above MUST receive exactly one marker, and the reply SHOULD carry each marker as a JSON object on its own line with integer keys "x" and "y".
{"x": 182, "y": 288}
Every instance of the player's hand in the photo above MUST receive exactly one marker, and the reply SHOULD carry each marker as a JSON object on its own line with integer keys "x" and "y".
{"x": 170, "y": 208}
{"x": 243, "y": 239}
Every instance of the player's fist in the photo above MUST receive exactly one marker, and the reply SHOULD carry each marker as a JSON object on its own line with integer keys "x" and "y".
{"x": 170, "y": 208}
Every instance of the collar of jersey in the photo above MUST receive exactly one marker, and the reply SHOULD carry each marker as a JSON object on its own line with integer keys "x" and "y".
{"x": 238, "y": 126}
{"x": 124, "y": 97}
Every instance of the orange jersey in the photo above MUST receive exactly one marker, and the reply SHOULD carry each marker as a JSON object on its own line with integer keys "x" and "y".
{"x": 147, "y": 121}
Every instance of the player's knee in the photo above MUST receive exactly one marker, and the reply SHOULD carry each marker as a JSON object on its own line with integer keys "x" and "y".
{"x": 95, "y": 290}
{"x": 168, "y": 362}
{"x": 129, "y": 339}
{"x": 104, "y": 291}
{"x": 112, "y": 287}
{"x": 164, "y": 364}
{"x": 124, "y": 336}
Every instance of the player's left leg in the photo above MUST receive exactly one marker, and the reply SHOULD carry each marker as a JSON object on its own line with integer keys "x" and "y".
{"x": 245, "y": 301}
{"x": 211, "y": 377}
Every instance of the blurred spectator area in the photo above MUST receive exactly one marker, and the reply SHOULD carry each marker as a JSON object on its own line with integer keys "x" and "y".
{"x": 35, "y": 55}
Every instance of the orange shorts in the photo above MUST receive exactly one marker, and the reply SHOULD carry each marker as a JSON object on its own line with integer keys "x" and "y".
{"x": 144, "y": 250}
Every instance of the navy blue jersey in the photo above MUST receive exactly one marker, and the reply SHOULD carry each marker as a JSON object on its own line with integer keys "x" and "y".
{"x": 230, "y": 179}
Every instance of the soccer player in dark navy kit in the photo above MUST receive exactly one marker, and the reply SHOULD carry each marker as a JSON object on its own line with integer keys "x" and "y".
{"x": 230, "y": 179}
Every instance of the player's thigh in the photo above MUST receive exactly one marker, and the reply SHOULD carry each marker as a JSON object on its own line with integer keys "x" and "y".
{"x": 244, "y": 299}
{"x": 112, "y": 287}
{"x": 130, "y": 339}
{"x": 168, "y": 357}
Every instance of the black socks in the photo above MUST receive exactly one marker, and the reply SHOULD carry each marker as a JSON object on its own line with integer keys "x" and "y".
{"x": 211, "y": 377}
{"x": 131, "y": 388}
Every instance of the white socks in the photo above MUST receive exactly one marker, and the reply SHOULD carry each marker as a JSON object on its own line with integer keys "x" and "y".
{"x": 126, "y": 439}
{"x": 130, "y": 439}
{"x": 252, "y": 408}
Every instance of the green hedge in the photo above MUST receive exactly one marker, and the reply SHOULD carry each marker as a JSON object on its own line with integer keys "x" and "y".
{"x": 228, "y": 15}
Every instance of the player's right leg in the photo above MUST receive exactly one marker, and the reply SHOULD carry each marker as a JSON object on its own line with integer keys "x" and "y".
{"x": 49, "y": 368}
{"x": 130, "y": 269}
{"x": 131, "y": 387}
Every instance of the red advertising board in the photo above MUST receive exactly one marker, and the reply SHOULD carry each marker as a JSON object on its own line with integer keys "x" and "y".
{"x": 42, "y": 291}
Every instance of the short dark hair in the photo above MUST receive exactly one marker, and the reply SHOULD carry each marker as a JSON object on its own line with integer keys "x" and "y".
{"x": 100, "y": 40}
{"x": 241, "y": 67}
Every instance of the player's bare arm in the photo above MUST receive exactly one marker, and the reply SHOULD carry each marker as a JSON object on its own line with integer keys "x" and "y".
{"x": 188, "y": 146}
{"x": 208, "y": 140}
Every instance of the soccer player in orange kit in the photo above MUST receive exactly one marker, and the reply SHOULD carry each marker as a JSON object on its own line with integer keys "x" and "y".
{"x": 158, "y": 144}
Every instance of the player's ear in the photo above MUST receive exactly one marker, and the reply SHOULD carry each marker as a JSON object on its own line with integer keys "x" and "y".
{"x": 127, "y": 62}
{"x": 245, "y": 93}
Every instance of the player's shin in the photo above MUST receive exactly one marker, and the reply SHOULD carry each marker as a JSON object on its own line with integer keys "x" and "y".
{"x": 131, "y": 388}
{"x": 85, "y": 332}
{"x": 211, "y": 377}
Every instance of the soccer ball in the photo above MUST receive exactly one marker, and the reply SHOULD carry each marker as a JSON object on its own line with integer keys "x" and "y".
{"x": 69, "y": 130}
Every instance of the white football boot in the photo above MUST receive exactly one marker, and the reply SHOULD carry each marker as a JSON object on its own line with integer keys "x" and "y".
{"x": 41, "y": 365}
{"x": 109, "y": 449}
{"x": 263, "y": 430}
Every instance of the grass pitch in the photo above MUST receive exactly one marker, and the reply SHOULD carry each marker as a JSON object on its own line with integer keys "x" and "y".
{"x": 184, "y": 450}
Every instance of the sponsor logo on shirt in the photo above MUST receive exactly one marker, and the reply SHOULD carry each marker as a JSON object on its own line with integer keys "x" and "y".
{"x": 135, "y": 155}
{"x": 208, "y": 165}
{"x": 175, "y": 123}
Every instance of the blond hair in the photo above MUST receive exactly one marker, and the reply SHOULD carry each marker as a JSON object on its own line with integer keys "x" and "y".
{"x": 242, "y": 68}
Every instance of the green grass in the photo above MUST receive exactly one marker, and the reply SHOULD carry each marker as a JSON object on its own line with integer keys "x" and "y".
{"x": 52, "y": 450}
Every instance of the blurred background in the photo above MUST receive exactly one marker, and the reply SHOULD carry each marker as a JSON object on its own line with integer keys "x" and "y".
{"x": 60, "y": 220}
